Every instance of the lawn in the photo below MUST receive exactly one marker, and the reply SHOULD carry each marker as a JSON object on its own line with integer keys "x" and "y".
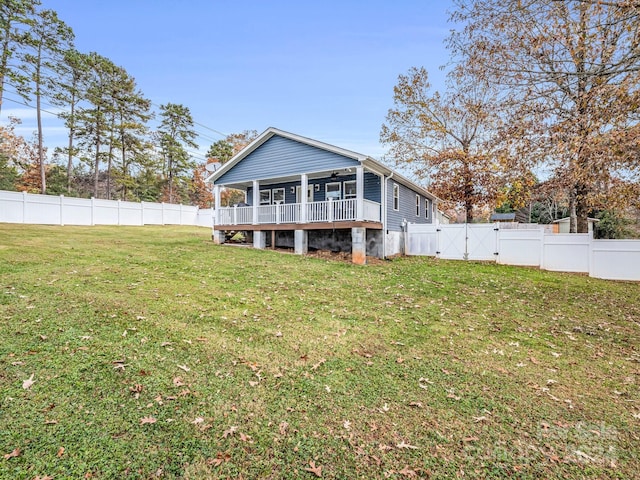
{"x": 149, "y": 352}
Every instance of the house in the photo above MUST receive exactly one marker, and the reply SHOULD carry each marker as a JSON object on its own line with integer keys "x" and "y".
{"x": 305, "y": 194}
{"x": 503, "y": 217}
{"x": 562, "y": 225}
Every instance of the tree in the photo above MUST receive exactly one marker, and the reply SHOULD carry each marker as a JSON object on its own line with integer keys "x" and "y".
{"x": 240, "y": 140}
{"x": 445, "y": 139}
{"x": 176, "y": 134}
{"x": 221, "y": 151}
{"x": 44, "y": 43}
{"x": 73, "y": 72}
{"x": 13, "y": 14}
{"x": 93, "y": 119}
{"x": 571, "y": 67}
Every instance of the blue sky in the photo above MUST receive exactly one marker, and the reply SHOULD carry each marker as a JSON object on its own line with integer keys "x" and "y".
{"x": 322, "y": 69}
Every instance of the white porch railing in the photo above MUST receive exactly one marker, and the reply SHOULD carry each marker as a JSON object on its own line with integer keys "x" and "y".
{"x": 328, "y": 211}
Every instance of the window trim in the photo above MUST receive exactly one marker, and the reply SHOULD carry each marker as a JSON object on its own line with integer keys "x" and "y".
{"x": 265, "y": 202}
{"x": 418, "y": 203}
{"x": 396, "y": 197}
{"x": 273, "y": 195}
{"x": 339, "y": 191}
{"x": 344, "y": 189}
{"x": 426, "y": 209}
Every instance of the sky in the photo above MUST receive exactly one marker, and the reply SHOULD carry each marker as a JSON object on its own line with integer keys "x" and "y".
{"x": 323, "y": 69}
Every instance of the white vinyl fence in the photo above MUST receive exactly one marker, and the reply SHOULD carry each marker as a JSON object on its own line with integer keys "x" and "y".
{"x": 609, "y": 259}
{"x": 20, "y": 207}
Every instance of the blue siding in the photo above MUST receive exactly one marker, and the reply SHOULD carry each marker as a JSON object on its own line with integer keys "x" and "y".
{"x": 281, "y": 156}
{"x": 407, "y": 208}
{"x": 371, "y": 188}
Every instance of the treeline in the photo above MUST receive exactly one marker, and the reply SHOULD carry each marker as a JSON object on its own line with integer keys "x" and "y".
{"x": 111, "y": 152}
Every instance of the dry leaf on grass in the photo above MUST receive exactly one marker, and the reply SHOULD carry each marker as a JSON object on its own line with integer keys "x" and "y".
{"x": 145, "y": 420}
{"x": 316, "y": 470}
{"x": 407, "y": 472}
{"x": 60, "y": 452}
{"x": 184, "y": 367}
{"x": 178, "y": 382}
{"x": 230, "y": 431}
{"x": 15, "y": 453}
{"x": 28, "y": 382}
{"x": 402, "y": 444}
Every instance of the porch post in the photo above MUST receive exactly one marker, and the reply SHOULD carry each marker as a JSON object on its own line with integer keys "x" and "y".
{"x": 256, "y": 201}
{"x": 304, "y": 186}
{"x": 360, "y": 193}
{"x": 359, "y": 245}
{"x": 301, "y": 240}
{"x": 216, "y": 212}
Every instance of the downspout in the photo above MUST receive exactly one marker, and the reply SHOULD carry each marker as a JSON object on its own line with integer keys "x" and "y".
{"x": 385, "y": 219}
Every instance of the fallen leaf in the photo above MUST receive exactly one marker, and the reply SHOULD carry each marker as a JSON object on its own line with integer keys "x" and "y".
{"x": 230, "y": 431}
{"x": 415, "y": 404}
{"x": 317, "y": 471}
{"x": 15, "y": 453}
{"x": 480, "y": 419}
{"x": 46, "y": 477}
{"x": 347, "y": 424}
{"x": 60, "y": 452}
{"x": 283, "y": 428}
{"x": 28, "y": 382}
{"x": 149, "y": 419}
{"x": 402, "y": 444}
{"x": 252, "y": 383}
{"x": 534, "y": 360}
{"x": 184, "y": 367}
{"x": 198, "y": 420}
{"x": 244, "y": 438}
{"x": 470, "y": 439}
{"x": 178, "y": 382}
{"x": 407, "y": 472}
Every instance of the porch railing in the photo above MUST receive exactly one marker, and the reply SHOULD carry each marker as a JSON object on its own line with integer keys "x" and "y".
{"x": 327, "y": 211}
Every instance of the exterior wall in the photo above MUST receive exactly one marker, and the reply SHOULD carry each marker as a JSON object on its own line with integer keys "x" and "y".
{"x": 394, "y": 243}
{"x": 371, "y": 188}
{"x": 407, "y": 210}
{"x": 279, "y": 156}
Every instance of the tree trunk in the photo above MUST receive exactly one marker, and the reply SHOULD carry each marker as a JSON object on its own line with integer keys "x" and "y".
{"x": 43, "y": 172}
{"x": 3, "y": 62}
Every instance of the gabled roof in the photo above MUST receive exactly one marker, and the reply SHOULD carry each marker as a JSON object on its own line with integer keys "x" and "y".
{"x": 366, "y": 161}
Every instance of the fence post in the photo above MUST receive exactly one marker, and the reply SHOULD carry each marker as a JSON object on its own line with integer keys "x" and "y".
{"x": 542, "y": 240}
{"x": 162, "y": 215}
{"x": 24, "y": 207}
{"x": 61, "y": 210}
{"x": 93, "y": 213}
{"x": 590, "y": 254}
{"x": 180, "y": 214}
{"x": 142, "y": 213}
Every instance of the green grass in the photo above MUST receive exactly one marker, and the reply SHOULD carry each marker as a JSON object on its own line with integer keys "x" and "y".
{"x": 488, "y": 371}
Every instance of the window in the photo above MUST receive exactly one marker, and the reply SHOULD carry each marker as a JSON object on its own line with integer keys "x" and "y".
{"x": 332, "y": 190}
{"x": 265, "y": 197}
{"x": 418, "y": 205}
{"x": 349, "y": 189}
{"x": 426, "y": 208}
{"x": 278, "y": 195}
{"x": 396, "y": 196}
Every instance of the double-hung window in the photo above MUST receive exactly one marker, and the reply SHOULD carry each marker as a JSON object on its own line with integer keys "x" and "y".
{"x": 265, "y": 197}
{"x": 349, "y": 189}
{"x": 396, "y": 197}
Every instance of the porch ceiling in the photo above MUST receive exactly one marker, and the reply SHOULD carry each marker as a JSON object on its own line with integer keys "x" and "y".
{"x": 289, "y": 178}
